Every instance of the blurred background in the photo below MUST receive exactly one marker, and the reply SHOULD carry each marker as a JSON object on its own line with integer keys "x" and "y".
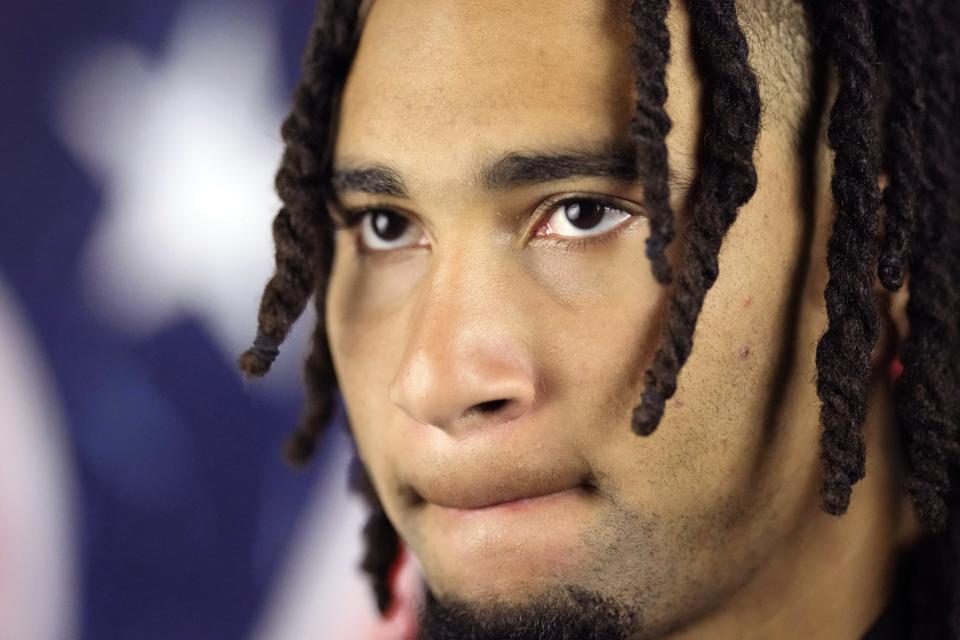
{"x": 142, "y": 494}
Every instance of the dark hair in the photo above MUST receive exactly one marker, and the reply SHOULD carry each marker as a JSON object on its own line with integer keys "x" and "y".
{"x": 895, "y": 110}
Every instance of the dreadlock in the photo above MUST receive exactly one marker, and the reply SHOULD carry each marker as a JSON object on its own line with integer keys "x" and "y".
{"x": 927, "y": 398}
{"x": 302, "y": 229}
{"x": 853, "y": 323}
{"x": 650, "y": 126}
{"x": 908, "y": 235}
{"x": 897, "y": 27}
{"x": 382, "y": 548}
{"x": 727, "y": 180}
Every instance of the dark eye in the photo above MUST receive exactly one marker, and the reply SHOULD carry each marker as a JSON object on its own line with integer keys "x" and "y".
{"x": 580, "y": 217}
{"x": 382, "y": 230}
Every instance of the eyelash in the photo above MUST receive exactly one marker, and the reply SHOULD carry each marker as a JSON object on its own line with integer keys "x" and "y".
{"x": 573, "y": 244}
{"x": 353, "y": 217}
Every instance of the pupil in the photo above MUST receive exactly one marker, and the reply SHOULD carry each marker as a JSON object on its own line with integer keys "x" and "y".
{"x": 584, "y": 214}
{"x": 388, "y": 226}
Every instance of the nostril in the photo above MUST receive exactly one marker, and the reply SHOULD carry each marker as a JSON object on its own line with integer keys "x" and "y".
{"x": 491, "y": 406}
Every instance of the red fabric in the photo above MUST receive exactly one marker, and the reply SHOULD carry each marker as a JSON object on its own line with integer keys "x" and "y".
{"x": 896, "y": 368}
{"x": 403, "y": 584}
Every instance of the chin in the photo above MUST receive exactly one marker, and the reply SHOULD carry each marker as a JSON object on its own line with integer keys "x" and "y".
{"x": 487, "y": 589}
{"x": 563, "y": 612}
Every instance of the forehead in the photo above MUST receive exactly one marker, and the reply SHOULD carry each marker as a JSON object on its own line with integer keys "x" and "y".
{"x": 476, "y": 78}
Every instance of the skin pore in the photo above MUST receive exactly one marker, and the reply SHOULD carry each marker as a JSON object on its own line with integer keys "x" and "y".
{"x": 488, "y": 356}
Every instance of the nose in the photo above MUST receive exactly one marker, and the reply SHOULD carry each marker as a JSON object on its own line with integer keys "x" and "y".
{"x": 466, "y": 365}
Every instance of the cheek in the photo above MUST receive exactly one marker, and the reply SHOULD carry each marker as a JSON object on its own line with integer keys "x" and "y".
{"x": 598, "y": 278}
{"x": 595, "y": 331}
{"x": 744, "y": 404}
{"x": 367, "y": 291}
{"x": 366, "y": 304}
{"x": 366, "y": 340}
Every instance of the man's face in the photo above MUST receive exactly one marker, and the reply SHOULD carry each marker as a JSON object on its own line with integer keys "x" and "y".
{"x": 491, "y": 340}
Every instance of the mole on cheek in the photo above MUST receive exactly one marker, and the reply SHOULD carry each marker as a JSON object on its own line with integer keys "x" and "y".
{"x": 745, "y": 352}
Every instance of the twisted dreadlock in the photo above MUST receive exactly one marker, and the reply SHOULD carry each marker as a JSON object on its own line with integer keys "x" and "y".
{"x": 727, "y": 180}
{"x": 650, "y": 126}
{"x": 897, "y": 27}
{"x": 882, "y": 65}
{"x": 382, "y": 542}
{"x": 927, "y": 395}
{"x": 302, "y": 229}
{"x": 853, "y": 323}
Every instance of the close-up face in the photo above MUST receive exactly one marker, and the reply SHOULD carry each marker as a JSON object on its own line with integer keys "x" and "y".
{"x": 491, "y": 313}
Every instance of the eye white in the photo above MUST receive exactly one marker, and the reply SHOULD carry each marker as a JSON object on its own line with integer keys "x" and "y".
{"x": 583, "y": 218}
{"x": 383, "y": 230}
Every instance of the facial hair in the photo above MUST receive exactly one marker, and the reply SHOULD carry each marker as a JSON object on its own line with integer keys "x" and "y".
{"x": 567, "y": 613}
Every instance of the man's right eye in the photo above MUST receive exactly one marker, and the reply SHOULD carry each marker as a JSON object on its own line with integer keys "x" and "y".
{"x": 386, "y": 230}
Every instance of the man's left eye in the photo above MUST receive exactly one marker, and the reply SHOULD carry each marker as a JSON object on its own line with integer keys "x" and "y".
{"x": 582, "y": 217}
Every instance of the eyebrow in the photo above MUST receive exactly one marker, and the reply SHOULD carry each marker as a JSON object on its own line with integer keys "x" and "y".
{"x": 376, "y": 179}
{"x": 512, "y": 170}
{"x": 517, "y": 168}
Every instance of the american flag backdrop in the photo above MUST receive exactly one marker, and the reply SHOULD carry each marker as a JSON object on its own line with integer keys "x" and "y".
{"x": 142, "y": 493}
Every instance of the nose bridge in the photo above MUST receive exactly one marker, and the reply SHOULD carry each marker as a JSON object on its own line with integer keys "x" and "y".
{"x": 467, "y": 361}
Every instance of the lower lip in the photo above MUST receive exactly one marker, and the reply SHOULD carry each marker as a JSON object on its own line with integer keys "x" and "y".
{"x": 529, "y": 538}
{"x": 519, "y": 506}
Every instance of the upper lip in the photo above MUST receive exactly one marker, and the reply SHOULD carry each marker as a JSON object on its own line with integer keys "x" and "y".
{"x": 459, "y": 490}
{"x": 489, "y": 467}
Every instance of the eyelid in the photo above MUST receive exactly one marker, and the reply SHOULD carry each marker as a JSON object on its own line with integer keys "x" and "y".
{"x": 540, "y": 217}
{"x": 612, "y": 201}
{"x": 353, "y": 217}
{"x": 340, "y": 216}
{"x": 353, "y": 220}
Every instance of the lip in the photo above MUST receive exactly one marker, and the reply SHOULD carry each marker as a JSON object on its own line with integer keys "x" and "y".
{"x": 530, "y": 536}
{"x": 491, "y": 468}
{"x": 531, "y": 504}
{"x": 496, "y": 489}
{"x": 519, "y": 504}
